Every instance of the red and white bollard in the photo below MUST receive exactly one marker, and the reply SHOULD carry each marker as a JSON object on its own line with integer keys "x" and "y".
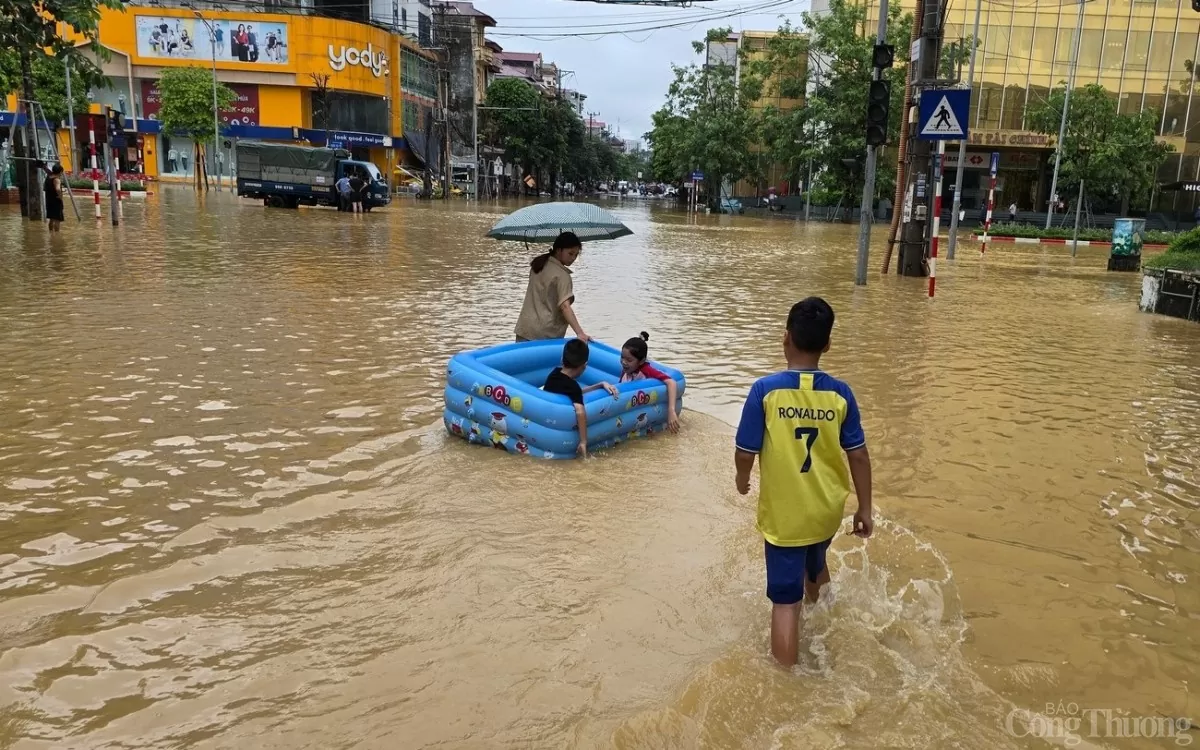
{"x": 117, "y": 182}
{"x": 987, "y": 222}
{"x": 95, "y": 167}
{"x": 937, "y": 213}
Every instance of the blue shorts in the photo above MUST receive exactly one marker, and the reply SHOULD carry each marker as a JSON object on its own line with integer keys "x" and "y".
{"x": 786, "y": 567}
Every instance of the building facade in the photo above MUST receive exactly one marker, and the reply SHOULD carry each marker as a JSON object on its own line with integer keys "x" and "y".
{"x": 738, "y": 50}
{"x": 1139, "y": 51}
{"x": 460, "y": 29}
{"x": 297, "y": 77}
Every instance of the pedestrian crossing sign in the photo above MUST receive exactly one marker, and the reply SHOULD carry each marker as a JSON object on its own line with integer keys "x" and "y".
{"x": 943, "y": 115}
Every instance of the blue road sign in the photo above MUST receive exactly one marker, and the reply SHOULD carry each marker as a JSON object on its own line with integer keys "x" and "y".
{"x": 944, "y": 114}
{"x": 995, "y": 162}
{"x": 697, "y": 177}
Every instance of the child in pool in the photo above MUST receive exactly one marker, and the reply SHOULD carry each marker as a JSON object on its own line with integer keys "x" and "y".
{"x": 564, "y": 380}
{"x": 635, "y": 367}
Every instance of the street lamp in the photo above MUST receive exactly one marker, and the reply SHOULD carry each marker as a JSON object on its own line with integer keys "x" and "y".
{"x": 212, "y": 38}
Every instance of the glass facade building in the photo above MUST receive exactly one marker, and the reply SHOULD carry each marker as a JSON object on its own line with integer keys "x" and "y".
{"x": 1140, "y": 51}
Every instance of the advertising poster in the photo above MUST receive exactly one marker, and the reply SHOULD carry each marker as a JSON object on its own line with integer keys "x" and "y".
{"x": 244, "y": 110}
{"x": 237, "y": 41}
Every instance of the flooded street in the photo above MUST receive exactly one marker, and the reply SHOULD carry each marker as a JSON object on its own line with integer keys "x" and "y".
{"x": 231, "y": 519}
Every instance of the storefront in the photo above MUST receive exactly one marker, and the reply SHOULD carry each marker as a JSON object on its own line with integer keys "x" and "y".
{"x": 295, "y": 78}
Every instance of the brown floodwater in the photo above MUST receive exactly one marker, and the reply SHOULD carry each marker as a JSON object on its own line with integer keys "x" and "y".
{"x": 229, "y": 516}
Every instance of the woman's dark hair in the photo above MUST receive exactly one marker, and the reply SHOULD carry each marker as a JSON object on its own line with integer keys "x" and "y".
{"x": 564, "y": 241}
{"x": 637, "y": 346}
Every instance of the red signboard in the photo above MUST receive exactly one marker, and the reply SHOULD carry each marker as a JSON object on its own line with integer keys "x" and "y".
{"x": 244, "y": 110}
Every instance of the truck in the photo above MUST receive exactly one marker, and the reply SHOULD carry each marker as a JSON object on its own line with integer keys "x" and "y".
{"x": 286, "y": 176}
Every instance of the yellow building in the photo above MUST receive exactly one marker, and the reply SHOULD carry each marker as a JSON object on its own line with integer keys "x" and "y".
{"x": 282, "y": 69}
{"x": 739, "y": 50}
{"x": 1138, "y": 51}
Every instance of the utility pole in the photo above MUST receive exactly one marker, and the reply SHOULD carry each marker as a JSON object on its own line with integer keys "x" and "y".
{"x": 442, "y": 36}
{"x": 914, "y": 233}
{"x": 865, "y": 218}
{"x": 212, "y": 40}
{"x": 956, "y": 207}
{"x": 74, "y": 149}
{"x": 1062, "y": 125}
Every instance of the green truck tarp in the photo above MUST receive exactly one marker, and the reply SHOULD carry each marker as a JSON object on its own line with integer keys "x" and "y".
{"x": 256, "y": 157}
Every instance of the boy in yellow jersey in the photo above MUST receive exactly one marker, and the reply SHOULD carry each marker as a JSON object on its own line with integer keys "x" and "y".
{"x": 799, "y": 422}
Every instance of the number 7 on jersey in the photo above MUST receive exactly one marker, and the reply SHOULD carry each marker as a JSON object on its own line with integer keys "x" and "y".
{"x": 809, "y": 435}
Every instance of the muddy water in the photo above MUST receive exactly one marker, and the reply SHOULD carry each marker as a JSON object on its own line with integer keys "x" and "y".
{"x": 230, "y": 518}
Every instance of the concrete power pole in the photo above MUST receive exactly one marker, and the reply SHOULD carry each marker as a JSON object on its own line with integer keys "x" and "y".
{"x": 914, "y": 240}
{"x": 442, "y": 40}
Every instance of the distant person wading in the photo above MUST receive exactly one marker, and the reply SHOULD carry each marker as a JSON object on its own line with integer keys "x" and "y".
{"x": 549, "y": 298}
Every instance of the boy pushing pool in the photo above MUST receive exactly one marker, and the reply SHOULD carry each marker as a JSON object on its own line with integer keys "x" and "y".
{"x": 798, "y": 423}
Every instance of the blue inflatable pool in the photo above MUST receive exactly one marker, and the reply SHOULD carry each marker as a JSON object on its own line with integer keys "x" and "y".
{"x": 494, "y": 397}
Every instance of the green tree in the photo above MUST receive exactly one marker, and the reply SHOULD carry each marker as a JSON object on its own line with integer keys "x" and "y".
{"x": 1115, "y": 155}
{"x": 50, "y": 84}
{"x": 515, "y": 123}
{"x": 704, "y": 125}
{"x": 33, "y": 30}
{"x": 187, "y": 107}
{"x": 777, "y": 73}
{"x": 841, "y": 71}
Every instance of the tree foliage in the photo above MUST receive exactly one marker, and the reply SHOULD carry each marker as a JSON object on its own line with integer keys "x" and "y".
{"x": 841, "y": 76}
{"x": 776, "y": 81}
{"x": 187, "y": 101}
{"x": 546, "y": 136}
{"x": 1116, "y": 155}
{"x": 705, "y": 124}
{"x": 50, "y": 81}
{"x": 33, "y": 30}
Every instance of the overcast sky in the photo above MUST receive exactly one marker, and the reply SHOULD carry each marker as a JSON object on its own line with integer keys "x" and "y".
{"x": 625, "y": 76}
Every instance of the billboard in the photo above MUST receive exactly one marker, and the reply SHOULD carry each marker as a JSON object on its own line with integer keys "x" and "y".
{"x": 249, "y": 40}
{"x": 243, "y": 111}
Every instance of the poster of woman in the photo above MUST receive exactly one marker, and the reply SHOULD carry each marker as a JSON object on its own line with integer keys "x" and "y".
{"x": 236, "y": 41}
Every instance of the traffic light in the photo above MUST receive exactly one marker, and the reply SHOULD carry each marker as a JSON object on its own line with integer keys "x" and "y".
{"x": 885, "y": 54}
{"x": 879, "y": 100}
{"x": 116, "y": 122}
{"x": 1196, "y": 5}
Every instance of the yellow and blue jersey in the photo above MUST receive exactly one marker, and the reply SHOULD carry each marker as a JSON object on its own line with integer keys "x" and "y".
{"x": 799, "y": 422}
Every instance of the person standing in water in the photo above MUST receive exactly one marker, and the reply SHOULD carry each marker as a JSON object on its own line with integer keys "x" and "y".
{"x": 550, "y": 295}
{"x": 53, "y": 188}
{"x": 798, "y": 423}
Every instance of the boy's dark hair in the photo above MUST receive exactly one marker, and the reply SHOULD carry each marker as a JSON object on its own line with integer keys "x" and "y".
{"x": 575, "y": 353}
{"x": 637, "y": 346}
{"x": 809, "y": 323}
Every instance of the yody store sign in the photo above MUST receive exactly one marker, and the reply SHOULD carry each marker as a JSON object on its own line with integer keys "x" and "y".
{"x": 370, "y": 58}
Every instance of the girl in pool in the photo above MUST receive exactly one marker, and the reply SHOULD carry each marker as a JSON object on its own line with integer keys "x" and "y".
{"x": 635, "y": 367}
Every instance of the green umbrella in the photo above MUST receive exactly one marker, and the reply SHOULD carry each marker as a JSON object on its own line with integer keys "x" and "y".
{"x": 545, "y": 221}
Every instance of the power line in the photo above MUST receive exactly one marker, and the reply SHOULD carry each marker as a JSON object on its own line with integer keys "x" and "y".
{"x": 544, "y": 36}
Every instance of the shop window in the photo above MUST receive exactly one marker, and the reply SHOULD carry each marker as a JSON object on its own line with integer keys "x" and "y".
{"x": 353, "y": 112}
{"x": 412, "y": 117}
{"x": 1043, "y": 47}
{"x": 1014, "y": 108}
{"x": 1022, "y": 43}
{"x": 424, "y": 31}
{"x": 1185, "y": 50}
{"x": 1090, "y": 45}
{"x": 1138, "y": 51}
{"x": 1063, "y": 48}
{"x": 1114, "y": 49}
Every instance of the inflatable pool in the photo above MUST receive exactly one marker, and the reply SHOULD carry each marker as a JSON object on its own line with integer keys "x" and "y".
{"x": 494, "y": 397}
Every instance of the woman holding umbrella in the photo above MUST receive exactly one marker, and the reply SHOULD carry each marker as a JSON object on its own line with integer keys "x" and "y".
{"x": 550, "y": 296}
